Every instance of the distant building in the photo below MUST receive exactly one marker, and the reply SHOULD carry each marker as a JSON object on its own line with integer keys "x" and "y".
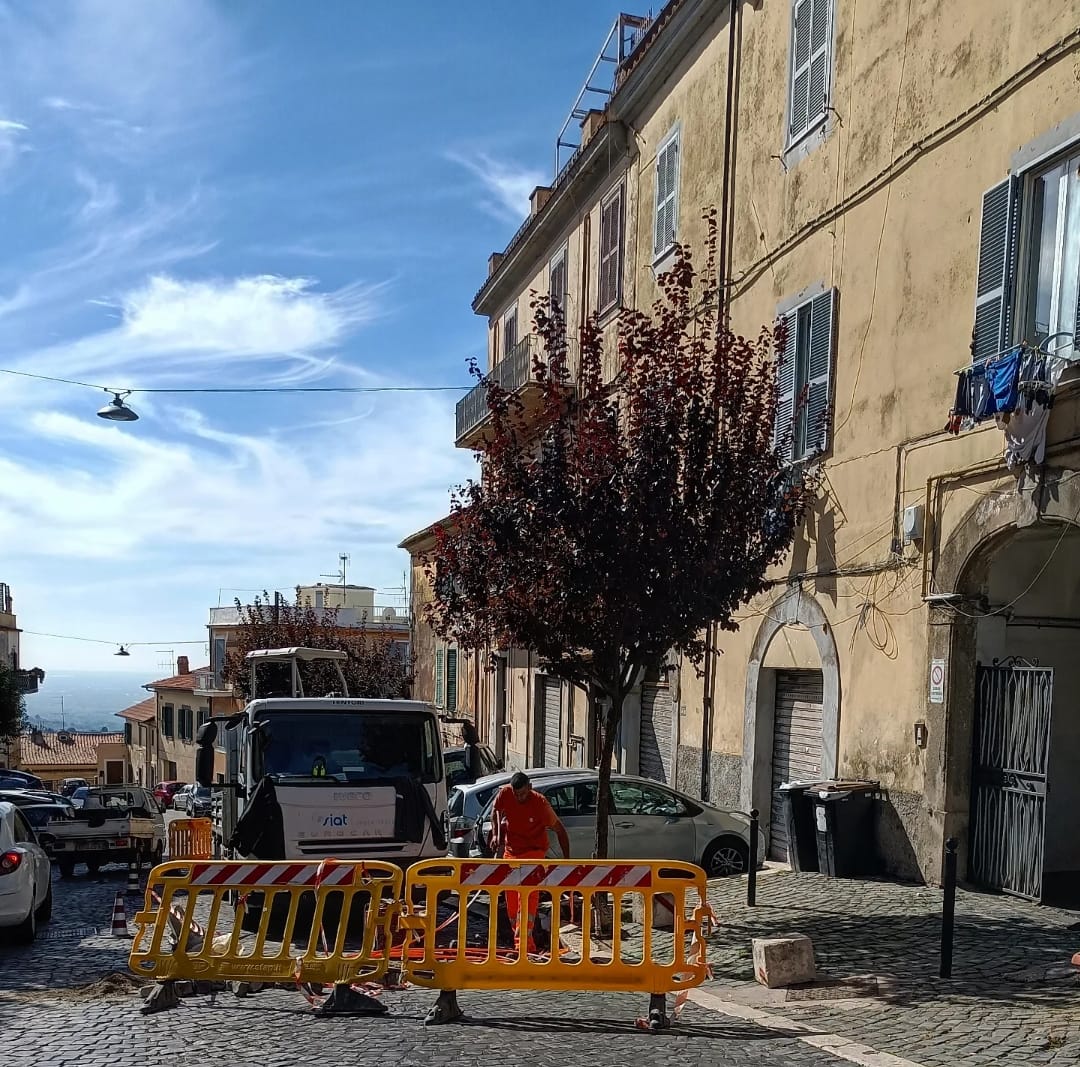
{"x": 53, "y": 755}
{"x": 27, "y": 680}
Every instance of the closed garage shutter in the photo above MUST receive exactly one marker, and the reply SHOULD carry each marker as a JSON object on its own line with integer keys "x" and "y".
{"x": 654, "y": 744}
{"x": 551, "y": 748}
{"x": 796, "y": 744}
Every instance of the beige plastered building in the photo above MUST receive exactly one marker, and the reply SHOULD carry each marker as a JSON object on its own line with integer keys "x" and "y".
{"x": 904, "y": 185}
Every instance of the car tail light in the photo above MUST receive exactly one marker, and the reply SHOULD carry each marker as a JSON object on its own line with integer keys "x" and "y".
{"x": 120, "y": 842}
{"x": 10, "y": 861}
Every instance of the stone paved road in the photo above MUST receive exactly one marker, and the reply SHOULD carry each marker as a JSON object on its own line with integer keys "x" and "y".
{"x": 54, "y": 1010}
{"x": 1013, "y": 998}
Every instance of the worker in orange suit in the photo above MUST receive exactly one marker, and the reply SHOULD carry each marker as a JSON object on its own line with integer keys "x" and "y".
{"x": 521, "y": 818}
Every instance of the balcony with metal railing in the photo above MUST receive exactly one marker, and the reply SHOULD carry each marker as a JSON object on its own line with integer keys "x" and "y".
{"x": 514, "y": 374}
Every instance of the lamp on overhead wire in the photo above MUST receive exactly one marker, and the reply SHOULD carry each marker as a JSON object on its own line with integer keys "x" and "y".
{"x": 122, "y": 651}
{"x": 117, "y": 411}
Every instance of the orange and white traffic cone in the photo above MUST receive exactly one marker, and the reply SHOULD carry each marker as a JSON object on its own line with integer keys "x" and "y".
{"x": 119, "y": 917}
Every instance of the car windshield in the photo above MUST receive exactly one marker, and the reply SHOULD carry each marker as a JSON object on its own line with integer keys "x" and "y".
{"x": 350, "y": 746}
{"x": 202, "y": 792}
{"x": 455, "y": 804}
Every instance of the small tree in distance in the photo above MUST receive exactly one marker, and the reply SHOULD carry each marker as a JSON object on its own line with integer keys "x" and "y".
{"x": 13, "y": 720}
{"x": 614, "y": 525}
{"x": 374, "y": 667}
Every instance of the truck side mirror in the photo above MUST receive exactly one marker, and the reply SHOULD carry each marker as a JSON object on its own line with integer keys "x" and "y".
{"x": 204, "y": 755}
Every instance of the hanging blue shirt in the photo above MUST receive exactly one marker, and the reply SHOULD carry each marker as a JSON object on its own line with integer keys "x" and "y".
{"x": 1004, "y": 378}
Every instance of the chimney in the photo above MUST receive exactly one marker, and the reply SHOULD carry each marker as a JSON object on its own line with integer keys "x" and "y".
{"x": 590, "y": 124}
{"x": 182, "y": 666}
{"x": 494, "y": 262}
{"x": 540, "y": 196}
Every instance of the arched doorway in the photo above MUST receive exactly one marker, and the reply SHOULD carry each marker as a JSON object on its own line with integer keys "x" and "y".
{"x": 1006, "y": 619}
{"x": 792, "y": 708}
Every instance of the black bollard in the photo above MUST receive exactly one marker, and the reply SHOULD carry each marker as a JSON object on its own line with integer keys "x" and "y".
{"x": 948, "y": 908}
{"x": 751, "y": 881}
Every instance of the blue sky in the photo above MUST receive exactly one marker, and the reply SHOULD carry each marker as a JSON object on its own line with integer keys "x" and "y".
{"x": 248, "y": 193}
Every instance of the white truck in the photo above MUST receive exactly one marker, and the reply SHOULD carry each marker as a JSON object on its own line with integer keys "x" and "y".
{"x": 116, "y": 824}
{"x": 328, "y": 776}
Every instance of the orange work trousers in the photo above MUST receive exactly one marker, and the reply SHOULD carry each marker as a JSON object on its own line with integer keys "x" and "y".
{"x": 513, "y": 901}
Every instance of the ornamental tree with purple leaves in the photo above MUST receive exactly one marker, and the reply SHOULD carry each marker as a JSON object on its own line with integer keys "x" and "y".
{"x": 609, "y": 528}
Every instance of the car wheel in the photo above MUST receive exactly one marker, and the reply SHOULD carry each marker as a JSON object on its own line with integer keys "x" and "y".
{"x": 67, "y": 868}
{"x": 26, "y": 931}
{"x": 726, "y": 857}
{"x": 93, "y": 867}
{"x": 44, "y": 912}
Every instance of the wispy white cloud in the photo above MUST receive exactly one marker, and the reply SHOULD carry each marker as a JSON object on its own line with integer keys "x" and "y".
{"x": 12, "y": 144}
{"x": 102, "y": 198}
{"x": 508, "y": 185}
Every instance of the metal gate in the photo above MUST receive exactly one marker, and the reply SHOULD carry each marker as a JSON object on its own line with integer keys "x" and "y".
{"x": 1008, "y": 777}
{"x": 551, "y": 743}
{"x": 655, "y": 737}
{"x": 797, "y": 731}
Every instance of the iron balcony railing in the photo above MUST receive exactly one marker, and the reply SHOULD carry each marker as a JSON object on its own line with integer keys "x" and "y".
{"x": 512, "y": 372}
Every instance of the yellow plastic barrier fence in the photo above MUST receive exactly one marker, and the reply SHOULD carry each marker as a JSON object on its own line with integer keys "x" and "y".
{"x": 189, "y": 839}
{"x": 325, "y": 922}
{"x": 450, "y": 954}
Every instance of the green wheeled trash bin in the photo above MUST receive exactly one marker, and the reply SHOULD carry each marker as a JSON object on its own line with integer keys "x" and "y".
{"x": 844, "y": 814}
{"x": 798, "y": 809}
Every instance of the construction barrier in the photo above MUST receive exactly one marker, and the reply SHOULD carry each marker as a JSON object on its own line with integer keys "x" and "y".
{"x": 445, "y": 959}
{"x": 189, "y": 839}
{"x": 306, "y": 922}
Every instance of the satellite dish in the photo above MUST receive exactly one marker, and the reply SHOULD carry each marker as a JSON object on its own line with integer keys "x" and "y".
{"x": 389, "y": 614}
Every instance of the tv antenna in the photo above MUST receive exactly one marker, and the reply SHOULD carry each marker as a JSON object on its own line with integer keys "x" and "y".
{"x": 344, "y": 559}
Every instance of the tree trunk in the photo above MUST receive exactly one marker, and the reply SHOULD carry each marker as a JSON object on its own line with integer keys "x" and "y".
{"x": 603, "y": 785}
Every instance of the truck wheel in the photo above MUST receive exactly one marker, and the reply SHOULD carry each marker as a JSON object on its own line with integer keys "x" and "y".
{"x": 93, "y": 867}
{"x": 67, "y": 868}
{"x": 159, "y": 854}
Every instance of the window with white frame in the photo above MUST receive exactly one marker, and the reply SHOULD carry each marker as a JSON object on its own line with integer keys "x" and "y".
{"x": 811, "y": 63}
{"x": 667, "y": 195}
{"x": 557, "y": 280}
{"x": 1028, "y": 283}
{"x": 611, "y": 250}
{"x": 804, "y": 378}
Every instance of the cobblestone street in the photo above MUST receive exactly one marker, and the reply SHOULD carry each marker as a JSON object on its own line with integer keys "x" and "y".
{"x": 58, "y": 1005}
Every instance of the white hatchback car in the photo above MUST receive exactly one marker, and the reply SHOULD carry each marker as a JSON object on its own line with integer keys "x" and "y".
{"x": 25, "y": 877}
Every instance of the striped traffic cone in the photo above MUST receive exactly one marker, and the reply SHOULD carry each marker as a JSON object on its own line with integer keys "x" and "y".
{"x": 133, "y": 878}
{"x": 119, "y": 916}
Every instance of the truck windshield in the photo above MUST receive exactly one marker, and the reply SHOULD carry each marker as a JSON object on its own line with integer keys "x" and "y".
{"x": 351, "y": 746}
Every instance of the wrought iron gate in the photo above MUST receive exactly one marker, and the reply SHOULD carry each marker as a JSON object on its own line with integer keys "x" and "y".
{"x": 1009, "y": 760}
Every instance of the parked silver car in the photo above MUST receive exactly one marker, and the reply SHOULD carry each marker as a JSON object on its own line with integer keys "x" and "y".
{"x": 649, "y": 821}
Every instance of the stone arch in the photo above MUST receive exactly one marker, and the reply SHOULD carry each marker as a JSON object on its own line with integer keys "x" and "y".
{"x": 961, "y": 567}
{"x": 799, "y": 607}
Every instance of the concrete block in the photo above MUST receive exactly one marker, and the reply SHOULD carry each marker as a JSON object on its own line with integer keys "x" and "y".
{"x": 663, "y": 911}
{"x": 784, "y": 961}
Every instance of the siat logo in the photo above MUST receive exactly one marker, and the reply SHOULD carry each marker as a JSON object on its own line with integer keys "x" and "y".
{"x": 336, "y": 820}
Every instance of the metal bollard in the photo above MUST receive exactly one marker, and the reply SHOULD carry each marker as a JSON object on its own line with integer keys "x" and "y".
{"x": 948, "y": 907}
{"x": 751, "y": 880}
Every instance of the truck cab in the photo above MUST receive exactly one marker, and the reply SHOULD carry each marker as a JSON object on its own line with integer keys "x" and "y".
{"x": 314, "y": 777}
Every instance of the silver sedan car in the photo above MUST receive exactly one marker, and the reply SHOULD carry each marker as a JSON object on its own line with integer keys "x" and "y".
{"x": 648, "y": 821}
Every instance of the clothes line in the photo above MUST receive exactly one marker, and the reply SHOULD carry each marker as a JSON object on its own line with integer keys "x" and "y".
{"x": 1039, "y": 349}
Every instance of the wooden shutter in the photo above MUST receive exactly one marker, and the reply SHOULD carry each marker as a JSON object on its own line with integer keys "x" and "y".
{"x": 451, "y": 679}
{"x": 783, "y": 429}
{"x": 667, "y": 186}
{"x": 819, "y": 375}
{"x": 997, "y": 268}
{"x": 800, "y": 66}
{"x": 557, "y": 281}
{"x": 440, "y": 676}
{"x": 611, "y": 227}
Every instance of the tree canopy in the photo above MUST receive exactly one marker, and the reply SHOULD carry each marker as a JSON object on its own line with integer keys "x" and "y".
{"x": 614, "y": 524}
{"x": 375, "y": 668}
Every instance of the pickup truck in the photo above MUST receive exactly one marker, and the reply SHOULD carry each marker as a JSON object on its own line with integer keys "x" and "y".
{"x": 116, "y": 824}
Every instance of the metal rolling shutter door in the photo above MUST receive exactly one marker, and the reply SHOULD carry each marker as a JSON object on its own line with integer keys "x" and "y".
{"x": 552, "y": 747}
{"x": 654, "y": 744}
{"x": 797, "y": 731}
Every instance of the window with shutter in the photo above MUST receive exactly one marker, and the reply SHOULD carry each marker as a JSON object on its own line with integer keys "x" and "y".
{"x": 804, "y": 379}
{"x": 451, "y": 679}
{"x": 811, "y": 40}
{"x": 509, "y": 331}
{"x": 994, "y": 284}
{"x": 440, "y": 677}
{"x": 611, "y": 240}
{"x": 667, "y": 196}
{"x": 167, "y": 720}
{"x": 557, "y": 280}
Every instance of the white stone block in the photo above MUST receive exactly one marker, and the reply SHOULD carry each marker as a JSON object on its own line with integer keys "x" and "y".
{"x": 784, "y": 961}
{"x": 663, "y": 911}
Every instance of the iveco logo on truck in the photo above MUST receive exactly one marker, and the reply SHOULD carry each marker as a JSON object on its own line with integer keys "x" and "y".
{"x": 336, "y": 820}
